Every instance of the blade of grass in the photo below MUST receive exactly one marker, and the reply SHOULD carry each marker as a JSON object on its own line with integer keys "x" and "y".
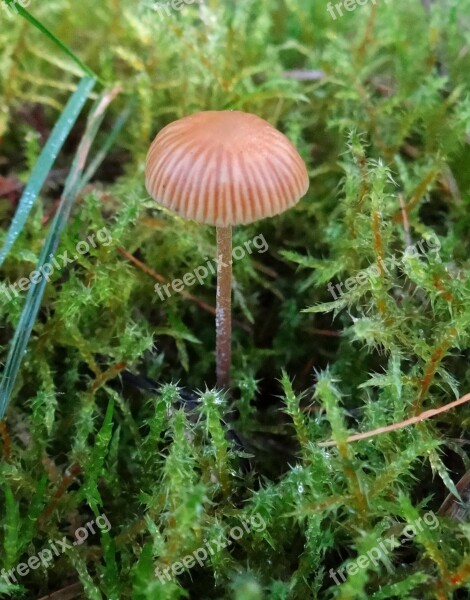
{"x": 36, "y": 292}
{"x": 29, "y": 17}
{"x": 103, "y": 151}
{"x": 46, "y": 161}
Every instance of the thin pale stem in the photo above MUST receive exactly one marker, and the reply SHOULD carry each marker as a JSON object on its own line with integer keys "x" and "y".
{"x": 223, "y": 314}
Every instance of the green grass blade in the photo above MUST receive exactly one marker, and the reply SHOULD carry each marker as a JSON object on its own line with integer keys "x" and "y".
{"x": 36, "y": 292}
{"x": 29, "y": 17}
{"x": 45, "y": 162}
{"x": 103, "y": 151}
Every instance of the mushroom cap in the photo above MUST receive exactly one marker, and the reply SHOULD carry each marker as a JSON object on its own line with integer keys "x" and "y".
{"x": 224, "y": 168}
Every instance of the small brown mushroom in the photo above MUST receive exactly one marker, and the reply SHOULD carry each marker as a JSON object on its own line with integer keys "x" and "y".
{"x": 224, "y": 168}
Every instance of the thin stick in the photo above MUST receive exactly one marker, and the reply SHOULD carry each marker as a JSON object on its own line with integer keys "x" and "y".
{"x": 138, "y": 263}
{"x": 223, "y": 311}
{"x": 421, "y": 417}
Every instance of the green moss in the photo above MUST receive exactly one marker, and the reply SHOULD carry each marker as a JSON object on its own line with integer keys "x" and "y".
{"x": 114, "y": 411}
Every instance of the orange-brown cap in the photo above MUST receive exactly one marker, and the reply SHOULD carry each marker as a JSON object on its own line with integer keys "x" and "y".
{"x": 224, "y": 168}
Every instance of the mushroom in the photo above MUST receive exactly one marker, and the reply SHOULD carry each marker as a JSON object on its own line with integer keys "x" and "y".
{"x": 224, "y": 168}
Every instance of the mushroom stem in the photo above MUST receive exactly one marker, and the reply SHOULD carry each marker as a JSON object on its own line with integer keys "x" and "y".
{"x": 223, "y": 315}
